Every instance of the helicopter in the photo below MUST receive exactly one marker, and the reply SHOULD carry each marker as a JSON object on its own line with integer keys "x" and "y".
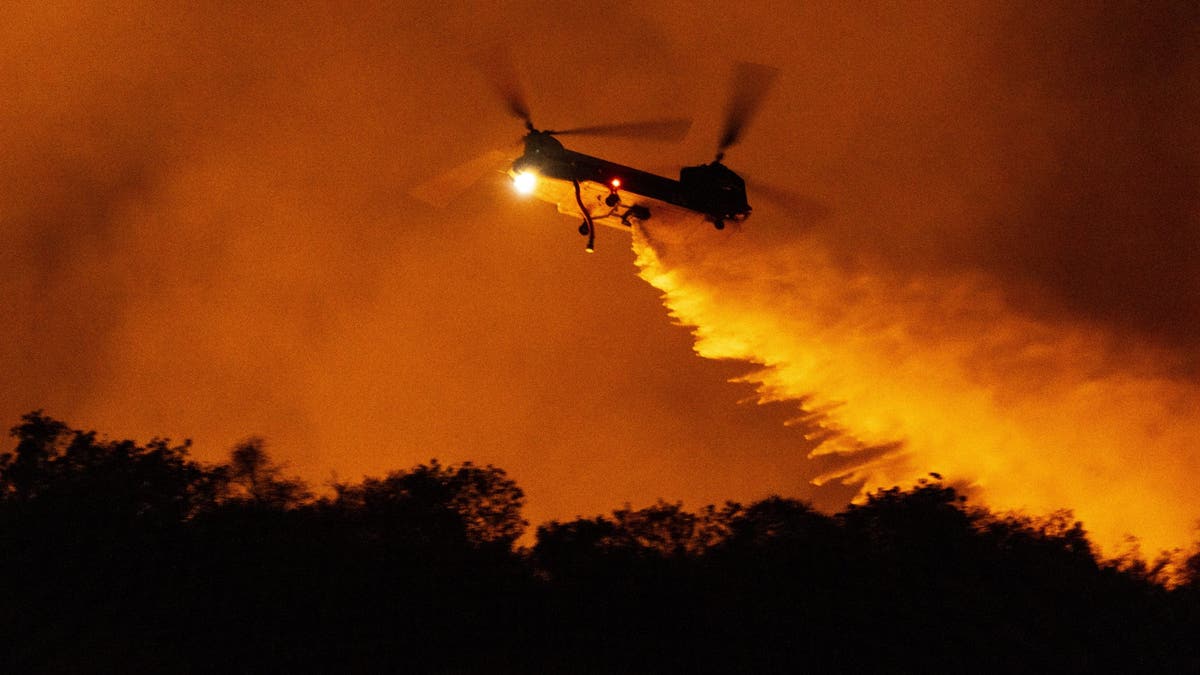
{"x": 601, "y": 192}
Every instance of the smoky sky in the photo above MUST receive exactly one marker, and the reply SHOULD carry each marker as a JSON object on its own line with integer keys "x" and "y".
{"x": 1106, "y": 170}
{"x": 1052, "y": 149}
{"x": 207, "y": 231}
{"x": 997, "y": 286}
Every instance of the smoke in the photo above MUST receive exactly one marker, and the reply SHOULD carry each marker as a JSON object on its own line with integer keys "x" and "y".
{"x": 1004, "y": 290}
{"x": 206, "y": 233}
{"x": 196, "y": 198}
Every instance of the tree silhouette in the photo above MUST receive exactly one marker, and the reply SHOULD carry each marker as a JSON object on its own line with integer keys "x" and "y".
{"x": 90, "y": 532}
{"x": 252, "y": 477}
{"x": 26, "y": 472}
{"x": 116, "y": 555}
{"x": 465, "y": 503}
{"x": 72, "y": 473}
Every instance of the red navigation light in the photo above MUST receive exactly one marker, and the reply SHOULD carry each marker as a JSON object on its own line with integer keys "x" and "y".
{"x": 616, "y": 183}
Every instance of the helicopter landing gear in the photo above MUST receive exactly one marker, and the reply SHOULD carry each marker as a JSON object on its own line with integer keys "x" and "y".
{"x": 719, "y": 224}
{"x": 583, "y": 228}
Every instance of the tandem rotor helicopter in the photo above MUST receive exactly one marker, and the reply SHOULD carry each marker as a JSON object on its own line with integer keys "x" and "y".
{"x": 600, "y": 192}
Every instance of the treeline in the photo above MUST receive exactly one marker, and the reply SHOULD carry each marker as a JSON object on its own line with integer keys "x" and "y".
{"x": 120, "y": 557}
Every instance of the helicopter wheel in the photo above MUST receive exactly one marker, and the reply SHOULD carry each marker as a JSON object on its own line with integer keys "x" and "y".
{"x": 719, "y": 224}
{"x": 583, "y": 228}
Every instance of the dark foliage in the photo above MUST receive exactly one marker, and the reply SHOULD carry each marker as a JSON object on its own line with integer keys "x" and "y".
{"x": 116, "y": 556}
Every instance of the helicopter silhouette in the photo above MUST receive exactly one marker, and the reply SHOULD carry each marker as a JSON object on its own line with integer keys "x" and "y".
{"x": 601, "y": 192}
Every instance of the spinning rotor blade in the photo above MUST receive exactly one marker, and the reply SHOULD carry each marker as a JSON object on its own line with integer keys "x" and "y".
{"x": 500, "y": 70}
{"x": 671, "y": 129}
{"x": 440, "y": 190}
{"x": 751, "y": 82}
{"x": 795, "y": 204}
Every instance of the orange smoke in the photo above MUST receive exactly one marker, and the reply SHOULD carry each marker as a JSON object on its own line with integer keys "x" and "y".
{"x": 941, "y": 373}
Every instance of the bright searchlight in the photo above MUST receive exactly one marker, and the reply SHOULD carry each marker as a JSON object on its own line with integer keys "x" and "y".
{"x": 525, "y": 182}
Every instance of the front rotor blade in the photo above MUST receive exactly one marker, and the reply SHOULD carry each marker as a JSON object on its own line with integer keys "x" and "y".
{"x": 751, "y": 81}
{"x": 497, "y": 65}
{"x": 442, "y": 189}
{"x": 672, "y": 129}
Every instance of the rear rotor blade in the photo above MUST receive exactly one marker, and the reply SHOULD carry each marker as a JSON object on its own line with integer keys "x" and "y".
{"x": 671, "y": 129}
{"x": 751, "y": 81}
{"x": 497, "y": 65}
{"x": 794, "y": 203}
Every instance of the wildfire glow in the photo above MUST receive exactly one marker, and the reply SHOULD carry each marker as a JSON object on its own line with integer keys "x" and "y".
{"x": 940, "y": 374}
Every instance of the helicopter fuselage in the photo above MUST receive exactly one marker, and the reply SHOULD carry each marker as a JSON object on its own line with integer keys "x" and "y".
{"x": 618, "y": 195}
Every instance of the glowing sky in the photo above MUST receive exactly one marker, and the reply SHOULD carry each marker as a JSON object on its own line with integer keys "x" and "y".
{"x": 208, "y": 234}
